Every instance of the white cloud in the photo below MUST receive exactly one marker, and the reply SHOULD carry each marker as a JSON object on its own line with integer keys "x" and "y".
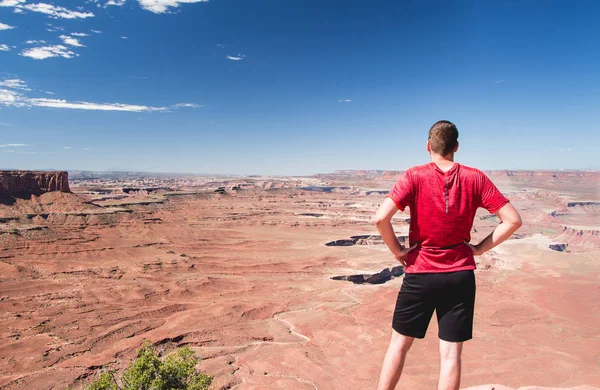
{"x": 18, "y": 11}
{"x": 4, "y": 47}
{"x": 14, "y": 84}
{"x": 11, "y": 98}
{"x": 163, "y": 6}
{"x": 3, "y": 148}
{"x": 239, "y": 57}
{"x": 344, "y": 100}
{"x": 53, "y": 28}
{"x": 43, "y": 52}
{"x": 11, "y": 3}
{"x": 117, "y": 3}
{"x": 56, "y": 12}
{"x": 124, "y": 37}
{"x": 68, "y": 147}
{"x": 5, "y": 26}
{"x": 80, "y": 34}
{"x": 4, "y": 124}
{"x": 499, "y": 81}
{"x": 71, "y": 41}
{"x": 187, "y": 105}
{"x": 33, "y": 42}
{"x": 96, "y": 31}
{"x": 57, "y": 103}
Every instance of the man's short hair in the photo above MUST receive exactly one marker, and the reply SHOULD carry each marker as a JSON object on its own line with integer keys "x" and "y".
{"x": 443, "y": 137}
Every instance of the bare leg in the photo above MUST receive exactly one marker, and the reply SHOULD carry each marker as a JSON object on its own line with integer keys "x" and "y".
{"x": 450, "y": 360}
{"x": 394, "y": 361}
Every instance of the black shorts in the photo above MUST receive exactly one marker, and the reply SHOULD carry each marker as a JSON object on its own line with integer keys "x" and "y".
{"x": 451, "y": 295}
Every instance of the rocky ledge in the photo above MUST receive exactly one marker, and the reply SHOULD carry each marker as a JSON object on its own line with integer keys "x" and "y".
{"x": 33, "y": 182}
{"x": 369, "y": 239}
{"x": 378, "y": 278}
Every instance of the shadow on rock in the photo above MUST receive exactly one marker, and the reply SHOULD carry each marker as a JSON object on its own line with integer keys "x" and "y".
{"x": 379, "y": 278}
{"x": 371, "y": 239}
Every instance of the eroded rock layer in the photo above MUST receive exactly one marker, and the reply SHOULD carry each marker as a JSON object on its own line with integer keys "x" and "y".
{"x": 33, "y": 182}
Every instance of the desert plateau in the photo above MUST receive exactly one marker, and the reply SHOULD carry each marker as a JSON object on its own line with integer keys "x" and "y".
{"x": 281, "y": 282}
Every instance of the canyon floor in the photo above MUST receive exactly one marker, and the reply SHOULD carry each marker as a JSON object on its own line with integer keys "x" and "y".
{"x": 243, "y": 276}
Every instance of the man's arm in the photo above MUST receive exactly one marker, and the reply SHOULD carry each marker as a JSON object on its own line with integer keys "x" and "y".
{"x": 510, "y": 222}
{"x": 383, "y": 219}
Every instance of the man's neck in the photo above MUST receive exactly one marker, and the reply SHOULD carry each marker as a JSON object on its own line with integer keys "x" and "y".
{"x": 443, "y": 162}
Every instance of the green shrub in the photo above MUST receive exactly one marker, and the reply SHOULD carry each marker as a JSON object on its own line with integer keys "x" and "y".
{"x": 148, "y": 372}
{"x": 105, "y": 382}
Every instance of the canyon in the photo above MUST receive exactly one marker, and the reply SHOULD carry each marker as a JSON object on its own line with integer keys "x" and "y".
{"x": 281, "y": 283}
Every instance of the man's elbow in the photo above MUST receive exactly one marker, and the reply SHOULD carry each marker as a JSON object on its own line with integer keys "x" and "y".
{"x": 516, "y": 222}
{"x": 510, "y": 216}
{"x": 519, "y": 222}
{"x": 379, "y": 221}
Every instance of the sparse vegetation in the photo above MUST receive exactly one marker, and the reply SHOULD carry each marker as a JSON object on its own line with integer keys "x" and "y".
{"x": 149, "y": 372}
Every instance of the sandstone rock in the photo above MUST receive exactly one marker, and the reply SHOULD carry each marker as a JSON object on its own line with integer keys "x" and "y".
{"x": 389, "y": 175}
{"x": 370, "y": 239}
{"x": 575, "y": 204}
{"x": 558, "y": 247}
{"x": 33, "y": 182}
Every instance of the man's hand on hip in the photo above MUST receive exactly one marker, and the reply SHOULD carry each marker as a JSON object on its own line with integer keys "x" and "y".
{"x": 401, "y": 257}
{"x": 475, "y": 248}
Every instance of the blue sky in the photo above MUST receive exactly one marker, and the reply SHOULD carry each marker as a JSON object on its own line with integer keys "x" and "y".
{"x": 296, "y": 87}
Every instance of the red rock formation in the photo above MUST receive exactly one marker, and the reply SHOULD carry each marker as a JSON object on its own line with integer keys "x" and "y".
{"x": 33, "y": 182}
{"x": 549, "y": 177}
{"x": 578, "y": 237}
{"x": 389, "y": 175}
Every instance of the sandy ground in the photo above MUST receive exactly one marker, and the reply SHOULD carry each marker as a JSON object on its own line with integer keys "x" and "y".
{"x": 245, "y": 280}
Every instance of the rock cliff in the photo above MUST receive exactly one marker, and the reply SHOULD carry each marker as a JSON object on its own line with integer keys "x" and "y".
{"x": 391, "y": 175}
{"x": 33, "y": 182}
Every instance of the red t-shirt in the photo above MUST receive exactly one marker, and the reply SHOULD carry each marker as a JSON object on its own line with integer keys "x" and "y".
{"x": 442, "y": 209}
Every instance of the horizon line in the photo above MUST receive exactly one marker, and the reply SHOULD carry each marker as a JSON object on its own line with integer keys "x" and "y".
{"x": 280, "y": 175}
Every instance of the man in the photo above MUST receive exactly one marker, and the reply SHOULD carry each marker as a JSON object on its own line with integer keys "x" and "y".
{"x": 443, "y": 197}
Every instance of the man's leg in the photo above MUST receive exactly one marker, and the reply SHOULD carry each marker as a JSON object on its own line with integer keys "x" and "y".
{"x": 455, "y": 308}
{"x": 450, "y": 354}
{"x": 394, "y": 361}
